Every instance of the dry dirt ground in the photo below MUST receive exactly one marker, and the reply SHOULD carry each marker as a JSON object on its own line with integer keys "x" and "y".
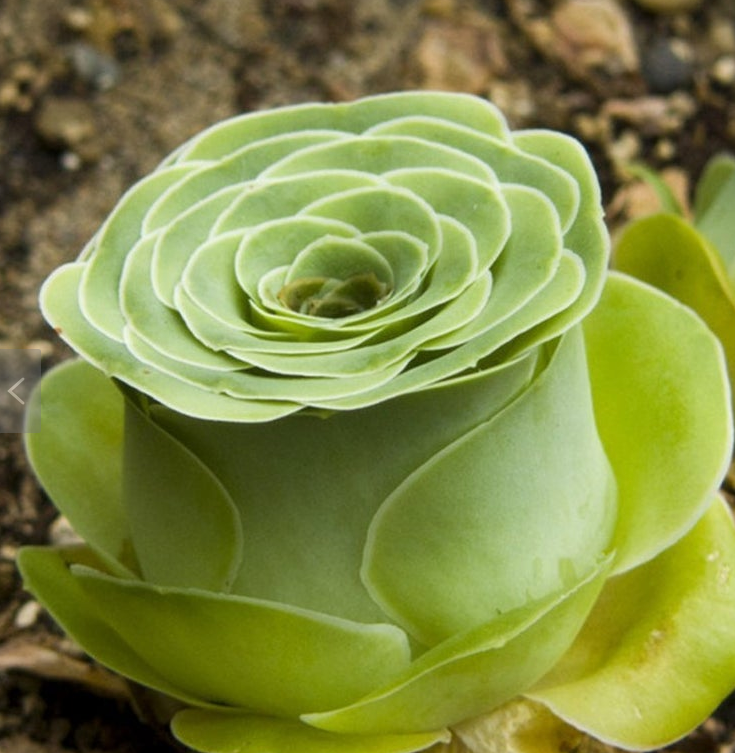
{"x": 93, "y": 93}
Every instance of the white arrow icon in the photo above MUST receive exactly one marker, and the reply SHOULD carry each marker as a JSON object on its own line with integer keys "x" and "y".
{"x": 10, "y": 391}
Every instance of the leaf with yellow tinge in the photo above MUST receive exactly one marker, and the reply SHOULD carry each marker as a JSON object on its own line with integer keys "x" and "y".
{"x": 662, "y": 408}
{"x": 667, "y": 252}
{"x": 657, "y": 654}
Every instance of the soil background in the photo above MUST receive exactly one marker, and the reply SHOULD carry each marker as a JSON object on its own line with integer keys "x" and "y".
{"x": 94, "y": 93}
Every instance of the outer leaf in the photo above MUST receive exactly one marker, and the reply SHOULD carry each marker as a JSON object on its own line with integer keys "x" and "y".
{"x": 212, "y": 732}
{"x": 473, "y": 672}
{"x": 250, "y": 654}
{"x": 186, "y": 529}
{"x": 78, "y": 455}
{"x": 663, "y": 411}
{"x": 510, "y": 164}
{"x": 530, "y": 259}
{"x": 521, "y": 507}
{"x": 244, "y": 164}
{"x": 657, "y": 654}
{"x": 46, "y": 573}
{"x": 227, "y": 136}
{"x": 668, "y": 253}
{"x": 378, "y": 154}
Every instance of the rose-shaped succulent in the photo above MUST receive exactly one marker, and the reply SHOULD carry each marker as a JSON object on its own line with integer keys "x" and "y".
{"x": 366, "y": 444}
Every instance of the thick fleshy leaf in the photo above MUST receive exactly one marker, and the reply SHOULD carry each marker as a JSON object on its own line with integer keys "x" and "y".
{"x": 46, "y": 573}
{"x": 249, "y": 385}
{"x": 662, "y": 405}
{"x": 527, "y": 264}
{"x": 185, "y": 527}
{"x": 155, "y": 322}
{"x": 78, "y": 455}
{"x": 374, "y": 154}
{"x": 569, "y": 155}
{"x": 510, "y": 164}
{"x": 244, "y": 164}
{"x": 715, "y": 177}
{"x": 212, "y": 732}
{"x": 587, "y": 237}
{"x": 176, "y": 242}
{"x": 262, "y": 656}
{"x": 657, "y": 654}
{"x": 482, "y": 520}
{"x": 479, "y": 207}
{"x": 475, "y": 671}
{"x": 667, "y": 252}
{"x": 225, "y": 137}
{"x": 102, "y": 272}
{"x": 285, "y": 197}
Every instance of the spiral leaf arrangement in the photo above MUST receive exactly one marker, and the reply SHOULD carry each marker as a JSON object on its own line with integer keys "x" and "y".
{"x": 333, "y": 256}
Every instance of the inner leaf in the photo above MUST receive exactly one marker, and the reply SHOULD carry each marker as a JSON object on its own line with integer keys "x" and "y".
{"x": 335, "y": 277}
{"x": 328, "y": 297}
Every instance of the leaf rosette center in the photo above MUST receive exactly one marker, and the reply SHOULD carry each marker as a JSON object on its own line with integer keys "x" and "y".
{"x": 333, "y": 298}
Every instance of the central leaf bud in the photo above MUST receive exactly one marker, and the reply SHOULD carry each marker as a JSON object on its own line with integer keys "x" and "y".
{"x": 332, "y": 298}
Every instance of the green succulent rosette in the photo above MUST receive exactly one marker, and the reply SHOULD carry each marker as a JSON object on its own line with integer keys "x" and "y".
{"x": 366, "y": 447}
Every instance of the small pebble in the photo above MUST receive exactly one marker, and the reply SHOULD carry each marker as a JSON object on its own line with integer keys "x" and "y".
{"x": 459, "y": 56}
{"x": 94, "y": 67}
{"x": 514, "y": 98}
{"x": 44, "y": 347}
{"x": 665, "y": 150}
{"x": 62, "y": 534}
{"x": 78, "y": 19}
{"x": 71, "y": 162}
{"x": 20, "y": 87}
{"x": 65, "y": 122}
{"x": 594, "y": 34}
{"x": 654, "y": 115}
{"x": 722, "y": 36}
{"x": 723, "y": 71}
{"x": 667, "y": 66}
{"x": 625, "y": 149}
{"x": 27, "y": 615}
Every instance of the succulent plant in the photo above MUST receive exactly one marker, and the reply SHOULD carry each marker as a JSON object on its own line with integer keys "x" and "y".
{"x": 367, "y": 446}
